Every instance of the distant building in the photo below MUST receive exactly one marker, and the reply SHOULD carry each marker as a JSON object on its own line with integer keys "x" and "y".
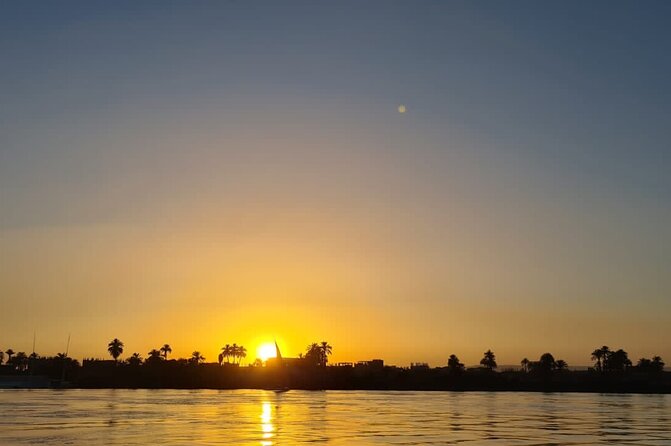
{"x": 373, "y": 364}
{"x": 285, "y": 362}
{"x": 419, "y": 366}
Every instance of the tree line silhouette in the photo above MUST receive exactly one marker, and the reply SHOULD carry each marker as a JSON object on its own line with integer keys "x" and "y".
{"x": 612, "y": 370}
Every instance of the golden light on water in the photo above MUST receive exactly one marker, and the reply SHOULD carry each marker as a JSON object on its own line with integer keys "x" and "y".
{"x": 267, "y": 427}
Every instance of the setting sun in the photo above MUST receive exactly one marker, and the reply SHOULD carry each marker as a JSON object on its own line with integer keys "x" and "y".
{"x": 266, "y": 351}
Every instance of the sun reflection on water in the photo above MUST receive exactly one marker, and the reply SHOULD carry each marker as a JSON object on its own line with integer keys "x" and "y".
{"x": 267, "y": 427}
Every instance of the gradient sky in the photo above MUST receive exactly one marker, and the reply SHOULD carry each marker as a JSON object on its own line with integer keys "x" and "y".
{"x": 201, "y": 173}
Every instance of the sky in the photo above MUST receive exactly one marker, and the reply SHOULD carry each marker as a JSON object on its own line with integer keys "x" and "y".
{"x": 203, "y": 173}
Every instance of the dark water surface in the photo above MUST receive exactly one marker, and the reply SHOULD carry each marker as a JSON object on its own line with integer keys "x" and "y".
{"x": 255, "y": 417}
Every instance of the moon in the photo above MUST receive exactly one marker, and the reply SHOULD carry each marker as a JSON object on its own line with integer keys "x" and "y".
{"x": 402, "y": 109}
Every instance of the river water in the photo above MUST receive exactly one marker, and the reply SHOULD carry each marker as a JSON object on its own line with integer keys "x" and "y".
{"x": 256, "y": 417}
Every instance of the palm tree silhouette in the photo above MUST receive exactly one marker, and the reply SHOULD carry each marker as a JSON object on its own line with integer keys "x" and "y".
{"x": 489, "y": 360}
{"x": 561, "y": 365}
{"x": 242, "y": 353}
{"x": 196, "y": 358}
{"x": 234, "y": 352}
{"x": 135, "y": 359}
{"x": 326, "y": 350}
{"x": 657, "y": 363}
{"x": 10, "y": 353}
{"x": 453, "y": 364}
{"x": 226, "y": 352}
{"x": 21, "y": 361}
{"x": 314, "y": 354}
{"x": 600, "y": 355}
{"x": 115, "y": 348}
{"x": 525, "y": 364}
{"x": 154, "y": 356}
{"x": 165, "y": 350}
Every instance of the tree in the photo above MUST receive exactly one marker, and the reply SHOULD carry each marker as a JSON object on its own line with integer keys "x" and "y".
{"x": 242, "y": 353}
{"x": 20, "y": 361}
{"x": 115, "y": 348}
{"x": 235, "y": 351}
{"x": 617, "y": 361}
{"x": 165, "y": 350}
{"x": 220, "y": 358}
{"x": 196, "y": 358}
{"x": 2, "y": 356}
{"x": 489, "y": 360}
{"x": 453, "y": 364}
{"x": 154, "y": 356}
{"x": 314, "y": 354}
{"x": 600, "y": 355}
{"x": 10, "y": 353}
{"x": 525, "y": 364}
{"x": 657, "y": 363}
{"x": 561, "y": 365}
{"x": 326, "y": 350}
{"x": 134, "y": 360}
{"x": 227, "y": 350}
{"x": 546, "y": 362}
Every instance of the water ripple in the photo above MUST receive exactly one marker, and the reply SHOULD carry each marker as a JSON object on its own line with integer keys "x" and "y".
{"x": 251, "y": 417}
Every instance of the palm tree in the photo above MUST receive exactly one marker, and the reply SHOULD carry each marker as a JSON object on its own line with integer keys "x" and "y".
{"x": 21, "y": 361}
{"x": 561, "y": 365}
{"x": 525, "y": 364}
{"x": 115, "y": 348}
{"x": 453, "y": 364}
{"x": 489, "y": 360}
{"x": 326, "y": 350}
{"x": 165, "y": 350}
{"x": 546, "y": 362}
{"x": 657, "y": 363}
{"x": 196, "y": 358}
{"x": 596, "y": 356}
{"x": 605, "y": 356}
{"x": 10, "y": 353}
{"x": 154, "y": 356}
{"x": 617, "y": 361}
{"x": 600, "y": 355}
{"x": 235, "y": 351}
{"x": 242, "y": 353}
{"x": 314, "y": 353}
{"x": 226, "y": 351}
{"x": 134, "y": 360}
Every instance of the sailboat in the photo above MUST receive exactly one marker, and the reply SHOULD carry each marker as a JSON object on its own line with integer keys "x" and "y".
{"x": 278, "y": 356}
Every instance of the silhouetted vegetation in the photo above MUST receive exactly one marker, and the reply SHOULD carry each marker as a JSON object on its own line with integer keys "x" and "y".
{"x": 317, "y": 354}
{"x": 165, "y": 350}
{"x": 454, "y": 366}
{"x": 115, "y": 348}
{"x": 612, "y": 372}
{"x": 489, "y": 360}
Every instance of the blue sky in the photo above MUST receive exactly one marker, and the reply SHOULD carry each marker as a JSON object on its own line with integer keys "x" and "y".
{"x": 529, "y": 175}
